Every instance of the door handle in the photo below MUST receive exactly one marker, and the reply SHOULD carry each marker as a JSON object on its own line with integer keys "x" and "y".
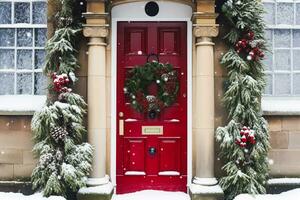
{"x": 121, "y": 127}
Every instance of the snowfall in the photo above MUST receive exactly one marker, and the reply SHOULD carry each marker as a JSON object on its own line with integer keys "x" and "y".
{"x": 159, "y": 195}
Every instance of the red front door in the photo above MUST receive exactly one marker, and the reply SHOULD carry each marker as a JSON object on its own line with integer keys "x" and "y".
{"x": 156, "y": 161}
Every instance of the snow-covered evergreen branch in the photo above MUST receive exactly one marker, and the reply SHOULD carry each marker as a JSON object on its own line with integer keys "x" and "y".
{"x": 64, "y": 161}
{"x": 244, "y": 142}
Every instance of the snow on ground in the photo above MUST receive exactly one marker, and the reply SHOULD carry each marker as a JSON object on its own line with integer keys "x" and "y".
{"x": 19, "y": 196}
{"x": 289, "y": 195}
{"x": 152, "y": 195}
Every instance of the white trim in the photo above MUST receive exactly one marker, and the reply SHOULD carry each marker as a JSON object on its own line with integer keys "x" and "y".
{"x": 280, "y": 105}
{"x": 21, "y": 104}
{"x": 168, "y": 16}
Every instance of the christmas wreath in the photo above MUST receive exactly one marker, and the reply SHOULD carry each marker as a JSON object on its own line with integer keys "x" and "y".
{"x": 139, "y": 79}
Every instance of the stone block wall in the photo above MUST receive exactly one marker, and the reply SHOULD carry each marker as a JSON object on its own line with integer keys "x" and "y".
{"x": 16, "y": 158}
{"x": 285, "y": 142}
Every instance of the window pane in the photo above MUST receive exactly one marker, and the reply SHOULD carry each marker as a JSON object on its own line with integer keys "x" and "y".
{"x": 39, "y": 58}
{"x": 24, "y": 59}
{"x": 24, "y": 37}
{"x": 7, "y": 37}
{"x": 269, "y": 37}
{"x": 269, "y": 86}
{"x": 269, "y": 16}
{"x": 7, "y": 58}
{"x": 282, "y": 59}
{"x": 296, "y": 64}
{"x": 296, "y": 38}
{"x": 24, "y": 83}
{"x": 282, "y": 84}
{"x": 40, "y": 37}
{"x": 298, "y": 13}
{"x": 5, "y": 13}
{"x": 22, "y": 12}
{"x": 7, "y": 81}
{"x": 40, "y": 84}
{"x": 268, "y": 61}
{"x": 285, "y": 13}
{"x": 296, "y": 83}
{"x": 282, "y": 38}
{"x": 39, "y": 12}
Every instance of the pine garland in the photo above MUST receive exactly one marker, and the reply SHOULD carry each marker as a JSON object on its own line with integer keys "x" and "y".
{"x": 64, "y": 161}
{"x": 141, "y": 77}
{"x": 244, "y": 142}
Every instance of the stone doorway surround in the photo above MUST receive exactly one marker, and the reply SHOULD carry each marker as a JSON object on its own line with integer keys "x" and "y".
{"x": 203, "y": 185}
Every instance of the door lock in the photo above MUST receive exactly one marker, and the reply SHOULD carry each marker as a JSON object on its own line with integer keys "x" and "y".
{"x": 152, "y": 151}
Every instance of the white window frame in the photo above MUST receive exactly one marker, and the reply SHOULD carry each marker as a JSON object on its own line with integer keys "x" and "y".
{"x": 285, "y": 104}
{"x": 22, "y": 104}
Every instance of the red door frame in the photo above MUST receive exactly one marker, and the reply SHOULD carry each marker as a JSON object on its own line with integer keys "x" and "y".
{"x": 166, "y": 180}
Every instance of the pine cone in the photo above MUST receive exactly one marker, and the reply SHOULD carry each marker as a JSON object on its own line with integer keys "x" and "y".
{"x": 59, "y": 133}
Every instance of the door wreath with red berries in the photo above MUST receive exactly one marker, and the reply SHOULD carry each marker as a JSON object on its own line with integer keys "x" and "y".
{"x": 137, "y": 85}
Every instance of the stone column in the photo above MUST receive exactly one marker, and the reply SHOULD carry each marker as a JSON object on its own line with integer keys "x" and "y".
{"x": 204, "y": 185}
{"x": 204, "y": 108}
{"x": 203, "y": 98}
{"x": 97, "y": 103}
{"x": 96, "y": 30}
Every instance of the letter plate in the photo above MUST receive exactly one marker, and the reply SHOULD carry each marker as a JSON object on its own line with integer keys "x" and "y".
{"x": 152, "y": 130}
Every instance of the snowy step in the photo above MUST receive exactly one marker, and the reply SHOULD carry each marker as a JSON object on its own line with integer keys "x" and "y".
{"x": 152, "y": 195}
{"x": 16, "y": 186}
{"x": 278, "y": 185}
{"x": 20, "y": 196}
{"x": 289, "y": 195}
{"x": 211, "y": 192}
{"x": 101, "y": 192}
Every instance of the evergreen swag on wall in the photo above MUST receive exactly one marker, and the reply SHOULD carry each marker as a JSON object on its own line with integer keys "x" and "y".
{"x": 244, "y": 142}
{"x": 64, "y": 161}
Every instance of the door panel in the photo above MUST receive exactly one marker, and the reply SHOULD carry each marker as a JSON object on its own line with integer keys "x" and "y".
{"x": 151, "y": 161}
{"x": 169, "y": 155}
{"x": 134, "y": 154}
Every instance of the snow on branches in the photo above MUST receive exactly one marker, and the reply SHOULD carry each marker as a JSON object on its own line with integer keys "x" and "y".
{"x": 244, "y": 141}
{"x": 64, "y": 160}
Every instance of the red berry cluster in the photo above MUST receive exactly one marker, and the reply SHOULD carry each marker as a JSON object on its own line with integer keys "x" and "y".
{"x": 247, "y": 137}
{"x": 243, "y": 46}
{"x": 60, "y": 83}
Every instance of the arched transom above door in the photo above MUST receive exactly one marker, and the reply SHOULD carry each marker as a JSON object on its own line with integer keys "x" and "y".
{"x": 160, "y": 10}
{"x": 118, "y": 2}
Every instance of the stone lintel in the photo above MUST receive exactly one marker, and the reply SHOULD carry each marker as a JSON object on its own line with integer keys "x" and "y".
{"x": 206, "y": 30}
{"x": 205, "y": 6}
{"x": 93, "y": 15}
{"x": 96, "y": 31}
{"x": 118, "y": 2}
{"x": 95, "y": 0}
{"x": 204, "y": 15}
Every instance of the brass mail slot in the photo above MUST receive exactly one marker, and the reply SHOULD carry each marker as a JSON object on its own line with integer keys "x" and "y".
{"x": 152, "y": 130}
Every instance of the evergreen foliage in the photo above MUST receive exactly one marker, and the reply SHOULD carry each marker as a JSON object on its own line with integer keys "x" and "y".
{"x": 245, "y": 168}
{"x": 140, "y": 78}
{"x": 64, "y": 161}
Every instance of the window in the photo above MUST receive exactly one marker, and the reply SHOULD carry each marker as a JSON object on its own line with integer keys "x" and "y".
{"x": 23, "y": 34}
{"x": 283, "y": 35}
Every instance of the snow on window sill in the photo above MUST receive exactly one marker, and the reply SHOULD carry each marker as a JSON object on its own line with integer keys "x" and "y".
{"x": 21, "y": 104}
{"x": 280, "y": 105}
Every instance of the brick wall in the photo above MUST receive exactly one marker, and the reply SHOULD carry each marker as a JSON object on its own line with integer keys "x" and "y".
{"x": 16, "y": 159}
{"x": 285, "y": 143}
